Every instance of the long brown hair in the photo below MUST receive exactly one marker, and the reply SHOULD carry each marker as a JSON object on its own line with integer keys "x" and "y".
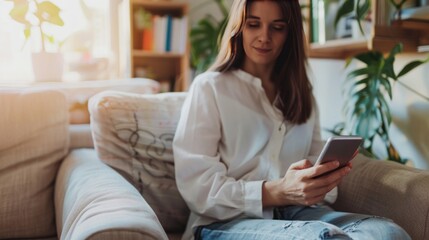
{"x": 289, "y": 75}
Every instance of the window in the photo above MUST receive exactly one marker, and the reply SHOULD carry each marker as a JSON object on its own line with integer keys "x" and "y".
{"x": 87, "y": 42}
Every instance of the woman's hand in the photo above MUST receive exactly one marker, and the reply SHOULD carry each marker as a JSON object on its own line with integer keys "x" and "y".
{"x": 303, "y": 184}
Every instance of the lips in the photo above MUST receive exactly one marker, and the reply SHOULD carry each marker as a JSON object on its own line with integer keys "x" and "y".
{"x": 262, "y": 50}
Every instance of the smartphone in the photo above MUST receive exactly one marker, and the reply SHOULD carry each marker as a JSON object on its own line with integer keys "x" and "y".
{"x": 340, "y": 148}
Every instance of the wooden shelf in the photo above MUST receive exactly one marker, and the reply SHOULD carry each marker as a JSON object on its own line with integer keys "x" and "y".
{"x": 160, "y": 4}
{"x": 339, "y": 48}
{"x": 151, "y": 54}
{"x": 164, "y": 66}
{"x": 384, "y": 36}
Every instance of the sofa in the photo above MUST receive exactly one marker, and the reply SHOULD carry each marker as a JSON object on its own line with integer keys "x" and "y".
{"x": 114, "y": 178}
{"x": 133, "y": 134}
{"x": 52, "y": 184}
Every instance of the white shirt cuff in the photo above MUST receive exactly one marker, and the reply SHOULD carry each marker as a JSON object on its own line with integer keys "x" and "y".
{"x": 253, "y": 199}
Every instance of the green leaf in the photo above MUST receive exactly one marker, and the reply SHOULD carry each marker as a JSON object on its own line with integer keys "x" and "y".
{"x": 386, "y": 84}
{"x": 19, "y": 12}
{"x": 410, "y": 66}
{"x": 27, "y": 32}
{"x": 205, "y": 36}
{"x": 361, "y": 82}
{"x": 358, "y": 72}
{"x": 367, "y": 125}
{"x": 361, "y": 12}
{"x": 50, "y": 38}
{"x": 49, "y": 12}
{"x": 345, "y": 9}
{"x": 384, "y": 108}
{"x": 370, "y": 57}
{"x": 395, "y": 50}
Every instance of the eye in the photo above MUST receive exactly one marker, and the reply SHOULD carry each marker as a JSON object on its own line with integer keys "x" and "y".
{"x": 252, "y": 24}
{"x": 279, "y": 27}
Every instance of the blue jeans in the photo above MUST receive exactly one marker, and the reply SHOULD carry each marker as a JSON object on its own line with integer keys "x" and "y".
{"x": 305, "y": 223}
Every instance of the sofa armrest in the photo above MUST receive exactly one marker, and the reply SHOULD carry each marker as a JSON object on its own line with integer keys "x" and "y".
{"x": 92, "y": 201}
{"x": 387, "y": 189}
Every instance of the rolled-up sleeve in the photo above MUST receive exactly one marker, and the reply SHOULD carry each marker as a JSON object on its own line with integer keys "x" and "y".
{"x": 201, "y": 175}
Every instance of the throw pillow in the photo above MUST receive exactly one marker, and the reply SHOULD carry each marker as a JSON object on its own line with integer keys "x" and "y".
{"x": 133, "y": 134}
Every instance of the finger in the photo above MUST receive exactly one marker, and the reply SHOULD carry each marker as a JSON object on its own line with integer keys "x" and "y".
{"x": 302, "y": 164}
{"x": 318, "y": 170}
{"x": 333, "y": 176}
{"x": 322, "y": 185}
{"x": 350, "y": 165}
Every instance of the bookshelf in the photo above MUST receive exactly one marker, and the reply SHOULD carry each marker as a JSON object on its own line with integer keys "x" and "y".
{"x": 383, "y": 34}
{"x": 159, "y": 42}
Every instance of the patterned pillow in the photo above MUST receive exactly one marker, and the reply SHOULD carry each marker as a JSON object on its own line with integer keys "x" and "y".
{"x": 133, "y": 133}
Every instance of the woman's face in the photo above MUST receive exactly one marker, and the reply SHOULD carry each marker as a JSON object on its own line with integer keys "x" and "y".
{"x": 264, "y": 34}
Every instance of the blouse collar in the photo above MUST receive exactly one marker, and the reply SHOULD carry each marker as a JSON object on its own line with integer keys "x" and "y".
{"x": 241, "y": 74}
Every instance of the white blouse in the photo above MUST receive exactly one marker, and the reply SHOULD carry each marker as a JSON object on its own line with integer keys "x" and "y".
{"x": 230, "y": 139}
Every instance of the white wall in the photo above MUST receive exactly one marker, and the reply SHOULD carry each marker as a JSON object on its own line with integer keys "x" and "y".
{"x": 410, "y": 131}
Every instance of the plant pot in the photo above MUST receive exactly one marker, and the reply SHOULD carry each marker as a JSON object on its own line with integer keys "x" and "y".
{"x": 47, "y": 67}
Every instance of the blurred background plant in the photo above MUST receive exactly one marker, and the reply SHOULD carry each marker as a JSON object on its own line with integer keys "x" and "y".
{"x": 206, "y": 35}
{"x": 368, "y": 92}
{"x": 358, "y": 9}
{"x": 37, "y": 14}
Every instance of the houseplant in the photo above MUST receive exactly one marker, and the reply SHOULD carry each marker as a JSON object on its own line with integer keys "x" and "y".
{"x": 36, "y": 16}
{"x": 368, "y": 91}
{"x": 205, "y": 37}
{"x": 358, "y": 8}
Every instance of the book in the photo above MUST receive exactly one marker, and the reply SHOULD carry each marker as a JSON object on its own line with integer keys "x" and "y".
{"x": 179, "y": 35}
{"x": 160, "y": 33}
{"x": 168, "y": 34}
{"x": 417, "y": 13}
{"x": 147, "y": 36}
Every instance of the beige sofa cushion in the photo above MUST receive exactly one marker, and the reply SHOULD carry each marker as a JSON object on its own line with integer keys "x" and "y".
{"x": 33, "y": 141}
{"x": 78, "y": 93}
{"x": 133, "y": 133}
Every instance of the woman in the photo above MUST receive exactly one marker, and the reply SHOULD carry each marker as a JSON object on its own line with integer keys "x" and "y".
{"x": 247, "y": 131}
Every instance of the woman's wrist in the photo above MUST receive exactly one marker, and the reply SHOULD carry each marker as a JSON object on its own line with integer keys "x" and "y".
{"x": 271, "y": 194}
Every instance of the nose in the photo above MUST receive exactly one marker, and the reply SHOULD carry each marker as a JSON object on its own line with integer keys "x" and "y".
{"x": 264, "y": 34}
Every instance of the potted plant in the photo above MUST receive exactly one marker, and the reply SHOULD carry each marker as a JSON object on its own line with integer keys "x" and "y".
{"x": 205, "y": 37}
{"x": 369, "y": 90}
{"x": 359, "y": 9}
{"x": 35, "y": 16}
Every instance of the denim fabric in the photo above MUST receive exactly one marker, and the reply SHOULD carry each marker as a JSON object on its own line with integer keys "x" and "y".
{"x": 305, "y": 223}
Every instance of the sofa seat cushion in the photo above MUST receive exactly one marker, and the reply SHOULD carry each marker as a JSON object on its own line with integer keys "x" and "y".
{"x": 33, "y": 141}
{"x": 133, "y": 134}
